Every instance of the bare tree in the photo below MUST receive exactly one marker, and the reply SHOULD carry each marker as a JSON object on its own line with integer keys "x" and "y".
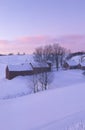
{"x": 38, "y": 54}
{"x": 54, "y": 53}
{"x": 62, "y": 55}
{"x": 41, "y": 81}
{"x": 35, "y": 82}
{"x": 48, "y": 52}
{"x": 45, "y": 79}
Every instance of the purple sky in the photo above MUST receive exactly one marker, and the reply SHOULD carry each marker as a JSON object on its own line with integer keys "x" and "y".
{"x": 41, "y": 21}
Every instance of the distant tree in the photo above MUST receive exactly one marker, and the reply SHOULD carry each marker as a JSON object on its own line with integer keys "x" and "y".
{"x": 10, "y": 54}
{"x": 54, "y": 53}
{"x": 18, "y": 53}
{"x": 23, "y": 53}
{"x": 75, "y": 54}
{"x": 56, "y": 50}
{"x": 48, "y": 52}
{"x": 38, "y": 54}
{"x": 62, "y": 55}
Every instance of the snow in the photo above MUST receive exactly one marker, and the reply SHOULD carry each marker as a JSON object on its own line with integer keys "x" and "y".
{"x": 15, "y": 88}
{"x": 72, "y": 62}
{"x": 45, "y": 110}
{"x": 20, "y": 67}
{"x": 61, "y": 107}
{"x": 40, "y": 65}
{"x": 66, "y": 78}
{"x": 77, "y": 58}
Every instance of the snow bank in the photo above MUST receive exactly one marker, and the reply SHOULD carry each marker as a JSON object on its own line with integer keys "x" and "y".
{"x": 44, "y": 110}
{"x": 16, "y": 87}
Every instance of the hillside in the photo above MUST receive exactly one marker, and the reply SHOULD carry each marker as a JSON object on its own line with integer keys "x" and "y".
{"x": 53, "y": 109}
{"x": 61, "y": 107}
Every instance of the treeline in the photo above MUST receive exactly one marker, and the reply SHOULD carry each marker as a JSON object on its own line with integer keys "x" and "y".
{"x": 75, "y": 54}
{"x": 54, "y": 53}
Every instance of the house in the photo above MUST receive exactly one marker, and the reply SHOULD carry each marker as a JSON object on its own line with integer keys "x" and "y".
{"x": 83, "y": 65}
{"x": 40, "y": 67}
{"x": 17, "y": 70}
{"x": 71, "y": 64}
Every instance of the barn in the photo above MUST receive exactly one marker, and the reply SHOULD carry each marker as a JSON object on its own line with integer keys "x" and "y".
{"x": 71, "y": 64}
{"x": 40, "y": 67}
{"x": 83, "y": 65}
{"x": 26, "y": 69}
{"x": 17, "y": 70}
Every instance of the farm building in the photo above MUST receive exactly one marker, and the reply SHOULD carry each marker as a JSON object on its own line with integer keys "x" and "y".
{"x": 26, "y": 69}
{"x": 40, "y": 67}
{"x": 83, "y": 65}
{"x": 17, "y": 70}
{"x": 71, "y": 64}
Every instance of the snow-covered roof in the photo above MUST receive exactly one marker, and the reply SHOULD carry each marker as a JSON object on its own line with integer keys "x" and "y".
{"x": 72, "y": 62}
{"x": 20, "y": 67}
{"x": 36, "y": 64}
{"x": 76, "y": 58}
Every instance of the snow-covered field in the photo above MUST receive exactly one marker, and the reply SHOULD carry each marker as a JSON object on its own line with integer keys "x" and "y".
{"x": 61, "y": 107}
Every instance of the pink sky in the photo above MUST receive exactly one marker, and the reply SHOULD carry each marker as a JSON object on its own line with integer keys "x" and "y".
{"x": 28, "y": 44}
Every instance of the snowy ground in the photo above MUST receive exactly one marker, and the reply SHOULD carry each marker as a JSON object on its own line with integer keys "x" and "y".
{"x": 56, "y": 109}
{"x": 62, "y": 107}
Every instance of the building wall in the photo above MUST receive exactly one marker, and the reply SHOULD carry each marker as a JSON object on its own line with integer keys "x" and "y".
{"x": 67, "y": 66}
{"x": 40, "y": 70}
{"x": 83, "y": 67}
{"x": 12, "y": 74}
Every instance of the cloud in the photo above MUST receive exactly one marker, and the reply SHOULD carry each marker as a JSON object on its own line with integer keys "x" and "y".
{"x": 23, "y": 44}
{"x": 30, "y": 39}
{"x": 28, "y": 44}
{"x": 73, "y": 42}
